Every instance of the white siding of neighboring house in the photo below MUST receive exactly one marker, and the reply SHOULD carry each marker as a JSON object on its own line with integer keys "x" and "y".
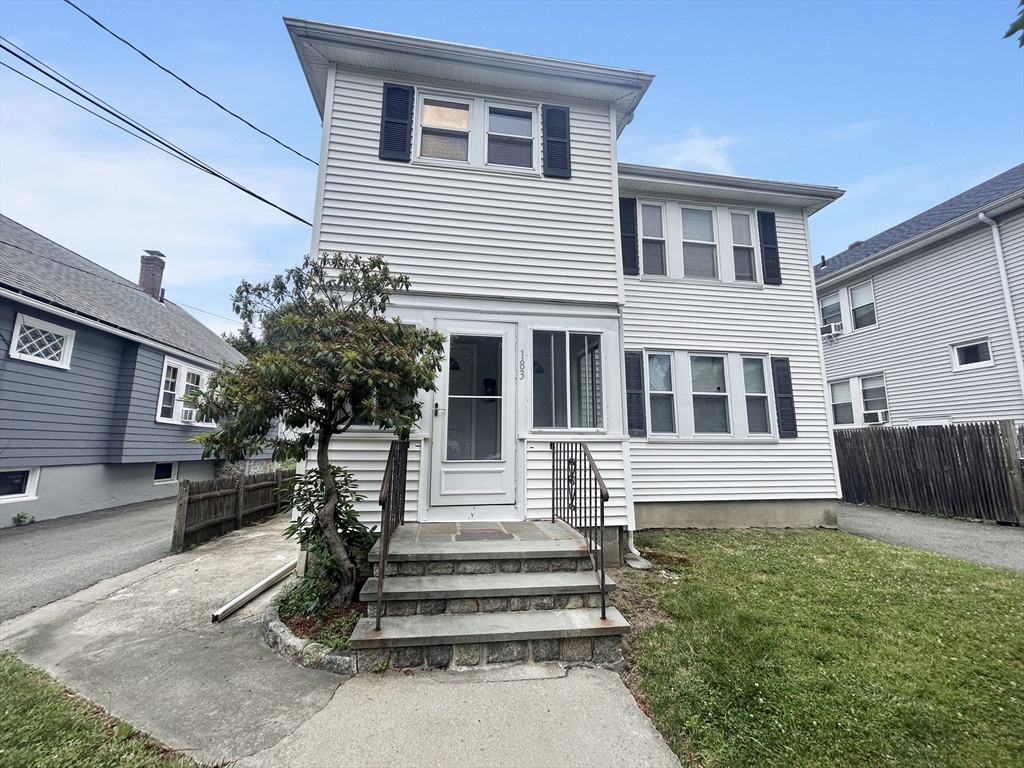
{"x": 470, "y": 231}
{"x": 779, "y": 321}
{"x": 945, "y": 295}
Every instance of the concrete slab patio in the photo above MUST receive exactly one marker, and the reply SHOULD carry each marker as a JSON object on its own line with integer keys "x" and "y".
{"x": 142, "y": 646}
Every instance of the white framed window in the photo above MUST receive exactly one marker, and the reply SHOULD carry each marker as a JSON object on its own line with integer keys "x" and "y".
{"x": 567, "y": 380}
{"x": 972, "y": 354}
{"x": 477, "y": 132}
{"x": 165, "y": 472}
{"x": 862, "y": 305}
{"x": 831, "y": 313}
{"x": 18, "y": 484}
{"x": 700, "y": 258}
{"x": 652, "y": 238}
{"x": 179, "y": 381}
{"x": 38, "y": 341}
{"x": 662, "y": 393}
{"x": 743, "y": 254}
{"x": 873, "y": 395}
{"x": 688, "y": 395}
{"x": 842, "y": 402}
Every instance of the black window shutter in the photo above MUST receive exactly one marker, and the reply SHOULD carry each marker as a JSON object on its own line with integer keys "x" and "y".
{"x": 636, "y": 402}
{"x": 785, "y": 410}
{"x": 555, "y": 127}
{"x": 771, "y": 268}
{"x": 396, "y": 122}
{"x": 627, "y": 234}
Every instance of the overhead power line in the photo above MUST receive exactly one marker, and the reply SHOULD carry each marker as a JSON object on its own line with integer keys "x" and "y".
{"x": 188, "y": 85}
{"x": 137, "y": 128}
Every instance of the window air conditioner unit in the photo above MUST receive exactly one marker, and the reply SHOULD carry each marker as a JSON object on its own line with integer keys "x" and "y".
{"x": 832, "y": 329}
{"x": 876, "y": 417}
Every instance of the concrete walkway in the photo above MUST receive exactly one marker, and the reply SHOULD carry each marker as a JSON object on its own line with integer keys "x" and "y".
{"x": 993, "y": 545}
{"x": 141, "y": 645}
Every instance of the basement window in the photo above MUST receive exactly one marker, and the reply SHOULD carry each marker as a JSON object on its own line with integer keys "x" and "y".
{"x": 165, "y": 472}
{"x": 18, "y": 484}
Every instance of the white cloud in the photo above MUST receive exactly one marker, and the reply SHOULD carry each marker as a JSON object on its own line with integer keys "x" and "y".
{"x": 696, "y": 151}
{"x": 108, "y": 197}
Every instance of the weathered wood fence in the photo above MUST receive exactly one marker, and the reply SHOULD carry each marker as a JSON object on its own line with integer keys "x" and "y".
{"x": 210, "y": 508}
{"x": 962, "y": 470}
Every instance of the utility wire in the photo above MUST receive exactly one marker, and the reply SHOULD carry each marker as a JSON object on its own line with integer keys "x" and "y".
{"x": 82, "y": 93}
{"x": 207, "y": 312}
{"x": 187, "y": 84}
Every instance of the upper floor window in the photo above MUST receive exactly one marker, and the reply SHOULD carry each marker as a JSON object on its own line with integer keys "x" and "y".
{"x": 179, "y": 382}
{"x": 477, "y": 131}
{"x": 831, "y": 313}
{"x": 699, "y": 259}
{"x": 862, "y": 305}
{"x": 652, "y": 223}
{"x": 744, "y": 266}
{"x": 41, "y": 342}
{"x": 567, "y": 388}
{"x": 975, "y": 354}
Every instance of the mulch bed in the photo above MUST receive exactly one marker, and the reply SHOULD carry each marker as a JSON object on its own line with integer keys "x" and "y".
{"x": 311, "y": 627}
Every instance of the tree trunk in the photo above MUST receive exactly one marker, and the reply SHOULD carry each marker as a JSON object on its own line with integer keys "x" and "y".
{"x": 325, "y": 516}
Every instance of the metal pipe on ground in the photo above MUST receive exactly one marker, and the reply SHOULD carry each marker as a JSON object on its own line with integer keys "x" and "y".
{"x": 233, "y": 605}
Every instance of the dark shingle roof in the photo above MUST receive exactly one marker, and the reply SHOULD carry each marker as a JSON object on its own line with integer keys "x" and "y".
{"x": 978, "y": 197}
{"x": 37, "y": 267}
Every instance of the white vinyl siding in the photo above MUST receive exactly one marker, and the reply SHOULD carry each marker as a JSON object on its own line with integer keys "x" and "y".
{"x": 946, "y": 295}
{"x": 474, "y": 231}
{"x": 731, "y": 319}
{"x": 364, "y": 453}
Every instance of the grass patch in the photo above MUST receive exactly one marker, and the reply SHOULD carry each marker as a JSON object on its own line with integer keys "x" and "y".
{"x": 815, "y": 648}
{"x": 43, "y": 723}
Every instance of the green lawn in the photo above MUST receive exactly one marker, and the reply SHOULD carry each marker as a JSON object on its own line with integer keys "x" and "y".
{"x": 815, "y": 648}
{"x": 43, "y": 724}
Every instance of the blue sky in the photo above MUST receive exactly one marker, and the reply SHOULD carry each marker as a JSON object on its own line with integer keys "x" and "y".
{"x": 902, "y": 104}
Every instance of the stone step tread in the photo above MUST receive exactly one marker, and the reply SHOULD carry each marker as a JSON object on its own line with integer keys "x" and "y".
{"x": 452, "y": 629}
{"x": 486, "y": 585}
{"x": 482, "y": 550}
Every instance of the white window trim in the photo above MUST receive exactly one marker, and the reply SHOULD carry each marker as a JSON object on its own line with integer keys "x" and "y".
{"x": 568, "y": 383}
{"x": 754, "y": 247}
{"x": 674, "y": 392}
{"x": 971, "y": 366}
{"x": 849, "y": 327}
{"x": 183, "y": 370}
{"x": 65, "y": 354}
{"x": 478, "y": 112}
{"x": 838, "y": 296}
{"x": 716, "y": 243}
{"x": 857, "y": 399}
{"x": 31, "y": 486}
{"x": 174, "y": 473}
{"x": 853, "y": 404}
{"x": 664, "y": 238}
{"x": 735, "y": 392}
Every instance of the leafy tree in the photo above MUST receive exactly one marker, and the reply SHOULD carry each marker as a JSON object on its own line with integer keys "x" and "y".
{"x": 244, "y": 341}
{"x": 1017, "y": 26}
{"x": 329, "y": 357}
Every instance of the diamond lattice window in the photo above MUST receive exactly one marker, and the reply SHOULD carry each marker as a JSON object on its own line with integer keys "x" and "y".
{"x": 39, "y": 341}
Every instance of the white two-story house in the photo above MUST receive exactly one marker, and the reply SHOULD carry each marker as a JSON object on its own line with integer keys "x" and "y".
{"x": 665, "y": 318}
{"x": 923, "y": 323}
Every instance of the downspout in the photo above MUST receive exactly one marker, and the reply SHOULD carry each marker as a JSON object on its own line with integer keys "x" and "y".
{"x": 1007, "y": 300}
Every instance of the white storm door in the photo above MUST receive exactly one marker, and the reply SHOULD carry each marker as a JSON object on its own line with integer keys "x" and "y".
{"x": 473, "y": 420}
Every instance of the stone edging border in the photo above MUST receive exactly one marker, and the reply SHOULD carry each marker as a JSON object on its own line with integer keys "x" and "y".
{"x": 308, "y": 653}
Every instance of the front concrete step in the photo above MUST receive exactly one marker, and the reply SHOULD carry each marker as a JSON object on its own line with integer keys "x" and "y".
{"x": 440, "y": 641}
{"x": 488, "y": 593}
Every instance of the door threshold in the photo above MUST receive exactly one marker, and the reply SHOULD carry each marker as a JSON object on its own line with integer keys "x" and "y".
{"x": 496, "y": 513}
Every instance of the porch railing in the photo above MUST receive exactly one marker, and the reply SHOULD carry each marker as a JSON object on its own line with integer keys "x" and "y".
{"x": 392, "y": 512}
{"x": 578, "y": 496}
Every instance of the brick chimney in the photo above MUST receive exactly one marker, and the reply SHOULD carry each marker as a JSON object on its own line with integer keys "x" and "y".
{"x": 151, "y": 273}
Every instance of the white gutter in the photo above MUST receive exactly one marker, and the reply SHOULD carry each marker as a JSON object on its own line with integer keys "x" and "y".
{"x": 111, "y": 329}
{"x": 1007, "y": 299}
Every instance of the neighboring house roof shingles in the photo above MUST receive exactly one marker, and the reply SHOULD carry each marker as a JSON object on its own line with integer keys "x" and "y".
{"x": 35, "y": 266}
{"x": 972, "y": 200}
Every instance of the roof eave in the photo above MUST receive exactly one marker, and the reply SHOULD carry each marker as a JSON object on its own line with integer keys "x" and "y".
{"x": 952, "y": 227}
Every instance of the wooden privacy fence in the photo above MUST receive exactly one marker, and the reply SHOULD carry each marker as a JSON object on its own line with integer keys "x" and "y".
{"x": 210, "y": 508}
{"x": 962, "y": 470}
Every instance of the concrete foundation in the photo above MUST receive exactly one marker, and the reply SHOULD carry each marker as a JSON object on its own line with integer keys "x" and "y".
{"x": 72, "y": 490}
{"x": 782, "y": 513}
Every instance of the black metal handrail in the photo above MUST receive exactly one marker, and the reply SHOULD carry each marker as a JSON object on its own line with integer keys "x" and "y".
{"x": 578, "y": 496}
{"x": 392, "y": 513}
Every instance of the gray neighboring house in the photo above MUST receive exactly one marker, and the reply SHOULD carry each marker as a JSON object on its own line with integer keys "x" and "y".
{"x": 93, "y": 369}
{"x": 922, "y": 324}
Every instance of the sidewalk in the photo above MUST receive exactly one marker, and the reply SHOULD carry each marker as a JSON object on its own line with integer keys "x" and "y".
{"x": 996, "y": 546}
{"x": 142, "y": 646}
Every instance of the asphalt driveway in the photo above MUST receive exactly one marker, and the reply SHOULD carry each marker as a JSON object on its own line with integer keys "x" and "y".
{"x": 993, "y": 545}
{"x": 48, "y": 560}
